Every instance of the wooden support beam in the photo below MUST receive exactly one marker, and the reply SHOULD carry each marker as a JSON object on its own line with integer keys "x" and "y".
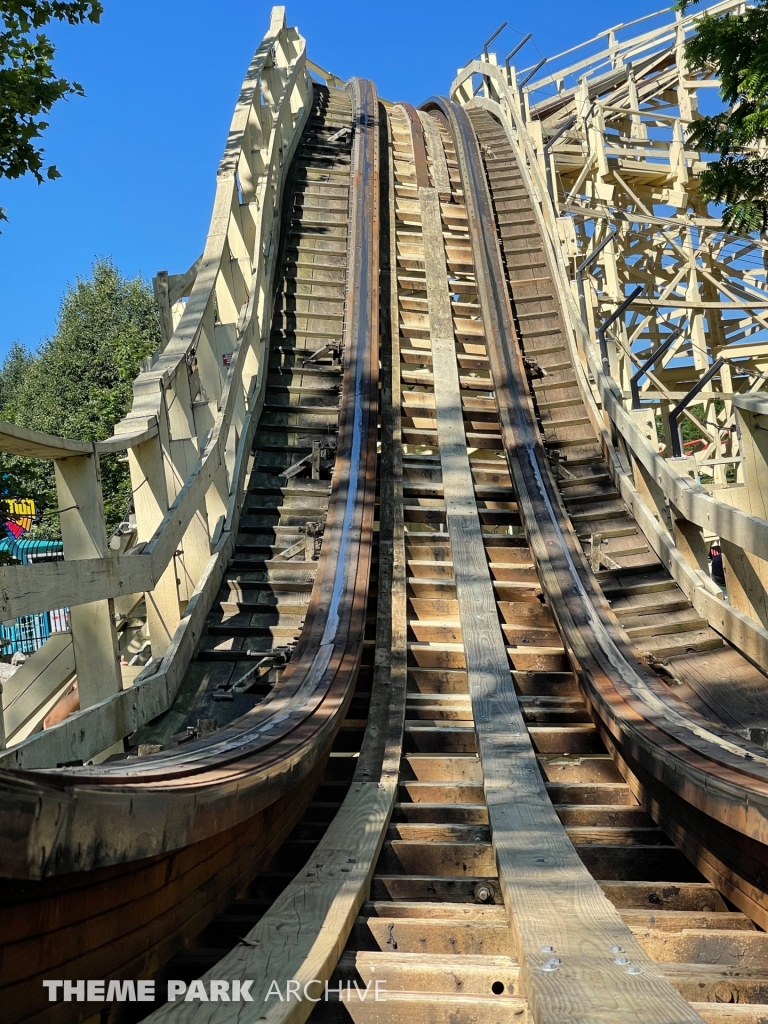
{"x": 151, "y": 503}
{"x": 746, "y": 573}
{"x": 81, "y": 511}
{"x": 160, "y": 287}
{"x": 37, "y": 684}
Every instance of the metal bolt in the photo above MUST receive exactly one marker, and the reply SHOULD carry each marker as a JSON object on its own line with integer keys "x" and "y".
{"x": 634, "y": 970}
{"x": 547, "y": 949}
{"x": 621, "y": 960}
{"x": 482, "y": 892}
{"x": 549, "y": 966}
{"x": 616, "y": 949}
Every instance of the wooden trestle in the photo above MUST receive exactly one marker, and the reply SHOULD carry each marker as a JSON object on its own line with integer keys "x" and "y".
{"x": 480, "y": 797}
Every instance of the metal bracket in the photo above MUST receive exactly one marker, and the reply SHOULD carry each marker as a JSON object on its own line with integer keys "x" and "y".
{"x": 332, "y": 348}
{"x": 673, "y": 430}
{"x": 321, "y": 450}
{"x": 597, "y": 557}
{"x": 314, "y": 539}
{"x": 313, "y": 460}
{"x": 602, "y": 340}
{"x": 634, "y": 380}
{"x": 276, "y": 659}
{"x": 340, "y": 134}
{"x": 556, "y": 459}
{"x": 532, "y": 369}
{"x": 583, "y": 266}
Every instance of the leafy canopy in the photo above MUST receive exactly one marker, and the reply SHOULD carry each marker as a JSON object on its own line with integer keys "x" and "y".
{"x": 29, "y": 86}
{"x": 736, "y": 47}
{"x": 79, "y": 384}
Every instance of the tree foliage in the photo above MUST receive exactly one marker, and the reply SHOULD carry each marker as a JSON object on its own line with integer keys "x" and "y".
{"x": 735, "y": 45}
{"x": 79, "y": 384}
{"x": 29, "y": 86}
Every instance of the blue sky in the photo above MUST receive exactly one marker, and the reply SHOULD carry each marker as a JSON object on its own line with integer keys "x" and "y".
{"x": 138, "y": 155}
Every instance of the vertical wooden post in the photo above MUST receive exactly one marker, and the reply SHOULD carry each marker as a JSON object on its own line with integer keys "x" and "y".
{"x": 182, "y": 448}
{"x": 689, "y": 538}
{"x": 160, "y": 286}
{"x": 3, "y": 742}
{"x": 150, "y": 495}
{"x": 78, "y": 486}
{"x": 746, "y": 575}
{"x": 648, "y": 488}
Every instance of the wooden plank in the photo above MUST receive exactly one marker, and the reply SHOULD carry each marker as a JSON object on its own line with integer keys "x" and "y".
{"x": 30, "y": 690}
{"x": 665, "y": 736}
{"x": 180, "y": 285}
{"x": 432, "y": 972}
{"x": 436, "y": 154}
{"x": 34, "y": 444}
{"x": 297, "y": 739}
{"x": 83, "y": 531}
{"x": 711, "y": 676}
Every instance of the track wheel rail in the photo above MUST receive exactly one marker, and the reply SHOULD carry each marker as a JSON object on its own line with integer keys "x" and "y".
{"x": 556, "y": 909}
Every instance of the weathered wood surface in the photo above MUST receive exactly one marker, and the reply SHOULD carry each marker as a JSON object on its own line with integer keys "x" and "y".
{"x": 123, "y": 924}
{"x": 203, "y": 818}
{"x": 38, "y": 683}
{"x": 304, "y": 931}
{"x": 703, "y": 510}
{"x": 272, "y": 749}
{"x": 78, "y": 489}
{"x": 555, "y": 907}
{"x": 270, "y": 144}
{"x": 151, "y": 567}
{"x": 711, "y": 767}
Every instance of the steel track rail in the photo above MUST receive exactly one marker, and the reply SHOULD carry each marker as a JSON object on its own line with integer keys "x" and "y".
{"x": 220, "y": 804}
{"x": 538, "y": 865}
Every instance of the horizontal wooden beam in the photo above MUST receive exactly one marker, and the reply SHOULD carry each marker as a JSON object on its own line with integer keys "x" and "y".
{"x": 122, "y": 442}
{"x": 34, "y": 444}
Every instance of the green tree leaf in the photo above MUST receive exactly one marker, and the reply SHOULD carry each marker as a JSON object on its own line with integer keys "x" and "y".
{"x": 79, "y": 384}
{"x": 735, "y": 46}
{"x": 28, "y": 85}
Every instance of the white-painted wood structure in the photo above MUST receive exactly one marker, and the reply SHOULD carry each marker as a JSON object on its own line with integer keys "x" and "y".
{"x": 383, "y": 462}
{"x": 601, "y": 131}
{"x": 188, "y": 436}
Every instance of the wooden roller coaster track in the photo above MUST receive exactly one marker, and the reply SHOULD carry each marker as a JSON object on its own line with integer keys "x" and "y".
{"x": 445, "y": 720}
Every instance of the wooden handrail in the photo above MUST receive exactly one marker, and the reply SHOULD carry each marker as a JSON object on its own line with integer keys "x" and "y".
{"x": 228, "y": 777}
{"x": 193, "y": 418}
{"x": 167, "y": 383}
